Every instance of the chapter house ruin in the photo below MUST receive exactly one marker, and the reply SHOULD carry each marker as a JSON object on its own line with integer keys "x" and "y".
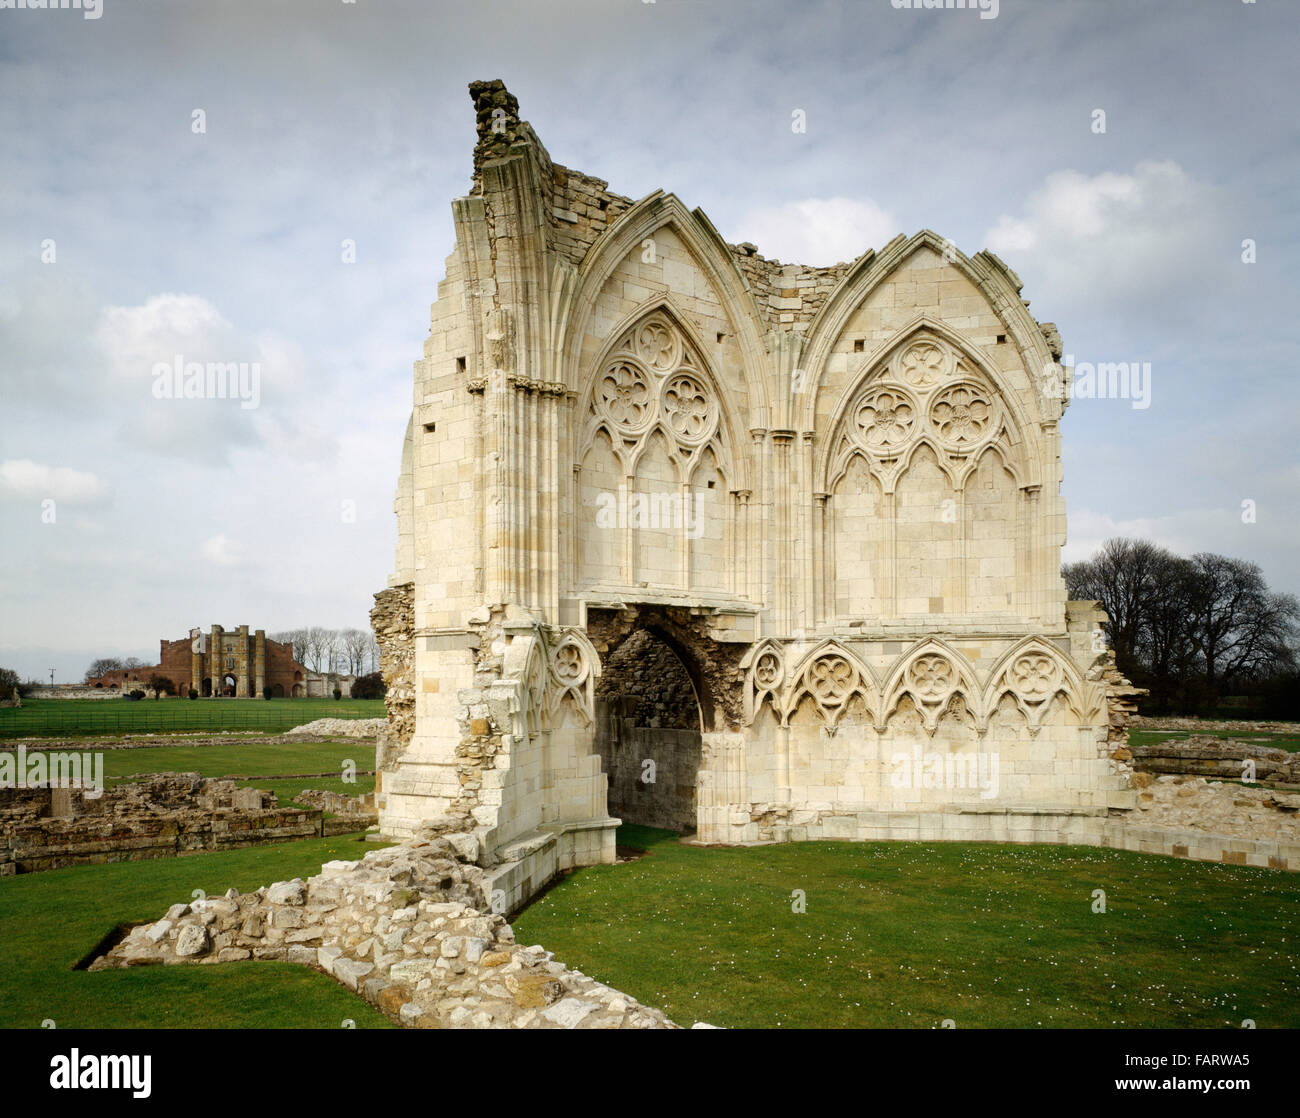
{"x": 697, "y": 539}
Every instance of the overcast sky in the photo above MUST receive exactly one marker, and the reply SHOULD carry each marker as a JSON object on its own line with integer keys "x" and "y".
{"x": 329, "y": 121}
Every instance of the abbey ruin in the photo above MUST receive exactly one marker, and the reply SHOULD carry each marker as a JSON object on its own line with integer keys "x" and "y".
{"x": 695, "y": 538}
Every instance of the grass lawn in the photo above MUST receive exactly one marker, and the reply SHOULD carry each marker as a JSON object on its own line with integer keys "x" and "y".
{"x": 253, "y": 760}
{"x": 48, "y": 921}
{"x": 1257, "y": 737}
{"x": 908, "y": 934}
{"x": 69, "y": 717}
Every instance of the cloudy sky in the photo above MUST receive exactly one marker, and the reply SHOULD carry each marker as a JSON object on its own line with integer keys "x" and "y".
{"x": 129, "y": 234}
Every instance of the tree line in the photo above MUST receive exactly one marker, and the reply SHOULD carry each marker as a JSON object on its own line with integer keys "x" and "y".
{"x": 1204, "y": 634}
{"x": 346, "y": 651}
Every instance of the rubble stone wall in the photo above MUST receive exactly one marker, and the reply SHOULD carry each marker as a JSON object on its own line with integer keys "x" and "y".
{"x": 160, "y": 817}
{"x": 407, "y": 928}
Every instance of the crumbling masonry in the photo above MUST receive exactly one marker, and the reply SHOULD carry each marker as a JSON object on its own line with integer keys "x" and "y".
{"x": 833, "y": 493}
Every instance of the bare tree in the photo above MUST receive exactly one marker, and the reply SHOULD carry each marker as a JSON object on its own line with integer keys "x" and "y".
{"x": 354, "y": 643}
{"x": 1122, "y": 576}
{"x": 1240, "y": 628}
{"x": 102, "y": 665}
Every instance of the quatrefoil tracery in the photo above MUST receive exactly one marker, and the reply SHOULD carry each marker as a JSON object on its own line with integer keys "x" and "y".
{"x": 926, "y": 390}
{"x": 653, "y": 376}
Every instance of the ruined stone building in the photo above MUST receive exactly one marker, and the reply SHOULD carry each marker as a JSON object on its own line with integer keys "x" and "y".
{"x": 695, "y": 538}
{"x": 235, "y": 663}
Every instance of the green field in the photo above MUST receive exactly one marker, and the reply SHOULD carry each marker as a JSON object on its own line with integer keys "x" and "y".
{"x": 48, "y": 921}
{"x": 910, "y": 934}
{"x": 895, "y": 934}
{"x": 252, "y": 761}
{"x": 1290, "y": 742}
{"x": 76, "y": 717}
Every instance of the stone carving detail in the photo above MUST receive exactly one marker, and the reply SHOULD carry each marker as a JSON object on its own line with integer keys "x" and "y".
{"x": 688, "y": 407}
{"x": 1035, "y": 676}
{"x": 927, "y": 393}
{"x": 569, "y": 667}
{"x": 884, "y": 420}
{"x": 931, "y": 677}
{"x": 924, "y": 364}
{"x": 653, "y": 380}
{"x": 1033, "y": 679}
{"x": 767, "y": 672}
{"x": 962, "y": 415}
{"x": 624, "y": 397}
{"x": 766, "y": 666}
{"x": 658, "y": 345}
{"x": 574, "y": 667}
{"x": 831, "y": 679}
{"x": 929, "y": 680}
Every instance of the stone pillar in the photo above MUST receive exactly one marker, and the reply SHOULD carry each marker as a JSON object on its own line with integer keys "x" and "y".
{"x": 259, "y": 661}
{"x": 216, "y": 670}
{"x": 242, "y": 666}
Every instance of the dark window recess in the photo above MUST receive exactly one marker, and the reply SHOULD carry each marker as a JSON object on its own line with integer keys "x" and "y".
{"x": 430, "y": 427}
{"x": 711, "y": 484}
{"x": 460, "y": 364}
{"x": 1001, "y": 338}
{"x": 859, "y": 344}
{"x": 720, "y": 337}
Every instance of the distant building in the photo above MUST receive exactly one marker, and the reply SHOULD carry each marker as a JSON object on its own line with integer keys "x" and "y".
{"x": 233, "y": 663}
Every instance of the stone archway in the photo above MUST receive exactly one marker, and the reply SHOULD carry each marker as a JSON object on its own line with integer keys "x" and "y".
{"x": 665, "y": 687}
{"x": 648, "y": 722}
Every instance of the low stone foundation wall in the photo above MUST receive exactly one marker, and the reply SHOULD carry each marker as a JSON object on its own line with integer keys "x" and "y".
{"x": 163, "y": 816}
{"x": 407, "y": 929}
{"x": 1215, "y": 757}
{"x": 1193, "y": 725}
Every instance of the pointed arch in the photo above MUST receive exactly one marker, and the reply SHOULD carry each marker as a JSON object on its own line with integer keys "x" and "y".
{"x": 764, "y": 666}
{"x": 575, "y": 670}
{"x": 1019, "y": 430}
{"x": 693, "y": 359}
{"x": 830, "y": 675}
{"x": 994, "y": 280}
{"x": 1034, "y": 672}
{"x": 576, "y": 303}
{"x": 931, "y": 672}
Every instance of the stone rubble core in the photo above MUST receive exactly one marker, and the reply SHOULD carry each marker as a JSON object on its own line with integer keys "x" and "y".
{"x": 407, "y": 928}
{"x": 833, "y": 493}
{"x": 1193, "y": 803}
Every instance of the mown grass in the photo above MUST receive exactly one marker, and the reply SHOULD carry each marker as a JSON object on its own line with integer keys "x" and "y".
{"x": 911, "y": 934}
{"x": 1290, "y": 742}
{"x": 75, "y": 717}
{"x": 48, "y": 921}
{"x": 273, "y": 758}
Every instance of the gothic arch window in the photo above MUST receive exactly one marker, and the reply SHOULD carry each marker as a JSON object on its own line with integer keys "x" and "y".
{"x": 656, "y": 470}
